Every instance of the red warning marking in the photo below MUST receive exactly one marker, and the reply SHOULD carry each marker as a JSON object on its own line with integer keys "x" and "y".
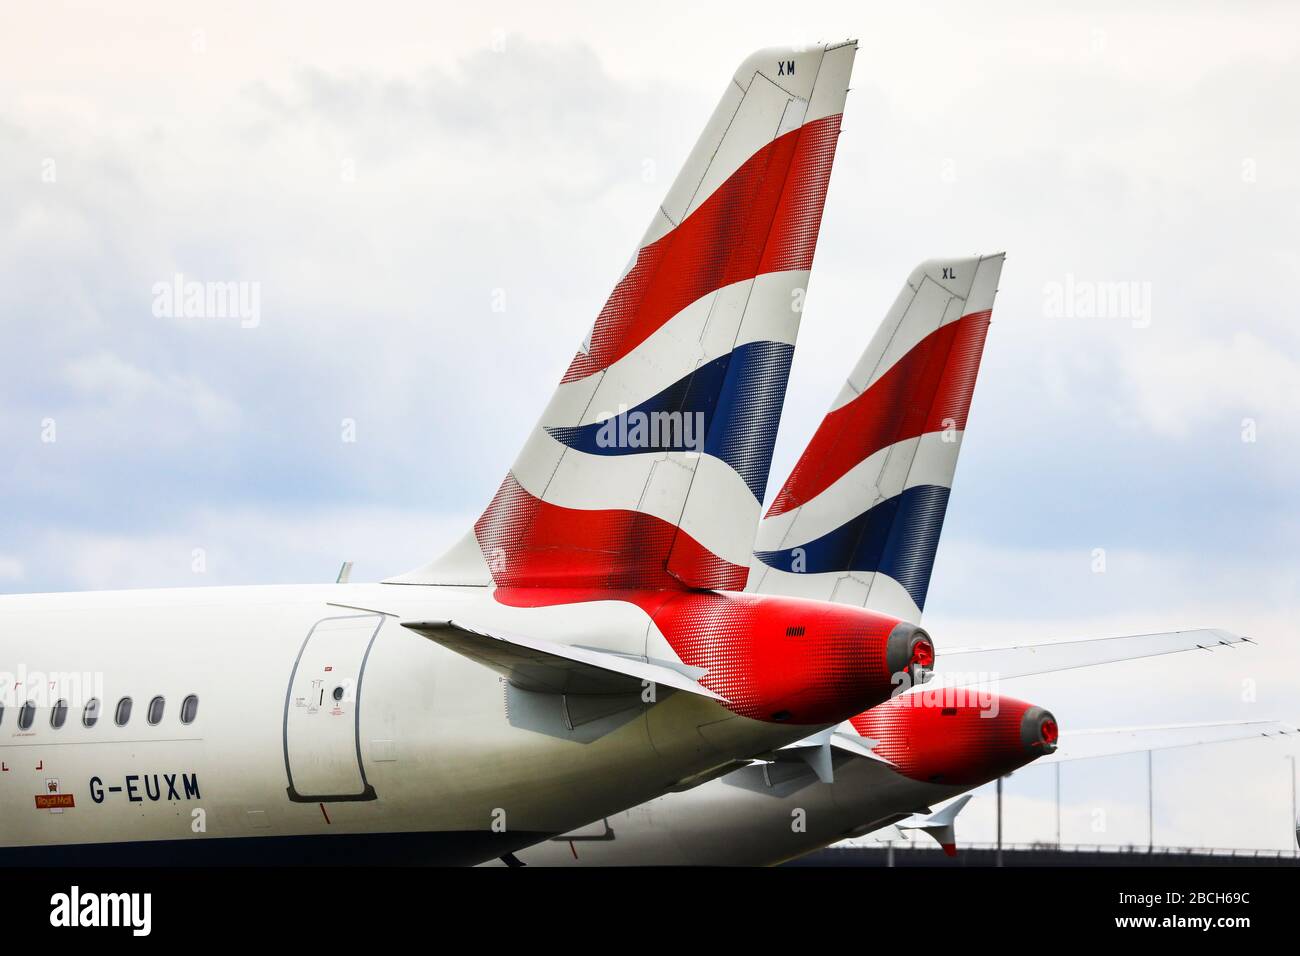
{"x": 324, "y": 814}
{"x": 328, "y": 668}
{"x": 4, "y": 766}
{"x": 41, "y": 765}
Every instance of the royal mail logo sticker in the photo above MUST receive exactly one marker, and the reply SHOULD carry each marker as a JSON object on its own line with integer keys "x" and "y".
{"x": 51, "y": 799}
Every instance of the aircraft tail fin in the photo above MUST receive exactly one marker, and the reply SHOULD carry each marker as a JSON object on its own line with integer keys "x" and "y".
{"x": 858, "y": 520}
{"x": 649, "y": 464}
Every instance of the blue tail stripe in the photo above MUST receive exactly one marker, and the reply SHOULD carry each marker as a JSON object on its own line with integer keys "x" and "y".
{"x": 728, "y": 408}
{"x": 897, "y": 537}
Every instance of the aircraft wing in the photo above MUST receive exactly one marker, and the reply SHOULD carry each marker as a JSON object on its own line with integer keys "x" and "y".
{"x": 1110, "y": 742}
{"x": 532, "y": 663}
{"x": 1026, "y": 659}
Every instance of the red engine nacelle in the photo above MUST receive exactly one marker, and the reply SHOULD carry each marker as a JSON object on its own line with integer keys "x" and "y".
{"x": 930, "y": 738}
{"x": 792, "y": 660}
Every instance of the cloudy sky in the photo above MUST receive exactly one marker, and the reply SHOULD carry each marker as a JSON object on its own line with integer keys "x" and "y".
{"x": 431, "y": 203}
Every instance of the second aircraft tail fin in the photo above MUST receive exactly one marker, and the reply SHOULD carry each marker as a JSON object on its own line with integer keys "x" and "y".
{"x": 858, "y": 520}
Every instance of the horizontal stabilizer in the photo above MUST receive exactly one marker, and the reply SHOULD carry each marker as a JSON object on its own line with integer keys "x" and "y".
{"x": 532, "y": 663}
{"x": 941, "y": 825}
{"x": 1026, "y": 659}
{"x": 1111, "y": 742}
{"x": 858, "y": 746}
{"x": 817, "y": 750}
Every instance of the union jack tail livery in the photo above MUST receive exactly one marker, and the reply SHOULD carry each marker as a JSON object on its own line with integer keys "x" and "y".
{"x": 649, "y": 465}
{"x": 858, "y": 520}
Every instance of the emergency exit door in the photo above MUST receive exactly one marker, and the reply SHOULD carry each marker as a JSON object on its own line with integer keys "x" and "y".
{"x": 322, "y": 711}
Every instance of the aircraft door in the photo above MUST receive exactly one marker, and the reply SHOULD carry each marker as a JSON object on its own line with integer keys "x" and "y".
{"x": 322, "y": 711}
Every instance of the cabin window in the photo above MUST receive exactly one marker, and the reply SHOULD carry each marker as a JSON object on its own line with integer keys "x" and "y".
{"x": 26, "y": 714}
{"x": 59, "y": 715}
{"x": 189, "y": 709}
{"x": 90, "y": 716}
{"x": 156, "y": 707}
{"x": 123, "y": 713}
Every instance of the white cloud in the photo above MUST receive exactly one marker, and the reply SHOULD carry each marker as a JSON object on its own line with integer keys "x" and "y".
{"x": 117, "y": 384}
{"x": 1179, "y": 386}
{"x": 209, "y": 547}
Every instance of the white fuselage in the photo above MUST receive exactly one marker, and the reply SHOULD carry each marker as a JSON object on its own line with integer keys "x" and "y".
{"x": 757, "y": 816}
{"x": 432, "y": 756}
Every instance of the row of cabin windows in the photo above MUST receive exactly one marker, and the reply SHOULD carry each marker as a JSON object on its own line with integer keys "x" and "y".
{"x": 90, "y": 715}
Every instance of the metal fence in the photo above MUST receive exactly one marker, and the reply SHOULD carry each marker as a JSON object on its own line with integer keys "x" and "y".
{"x": 1135, "y": 849}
